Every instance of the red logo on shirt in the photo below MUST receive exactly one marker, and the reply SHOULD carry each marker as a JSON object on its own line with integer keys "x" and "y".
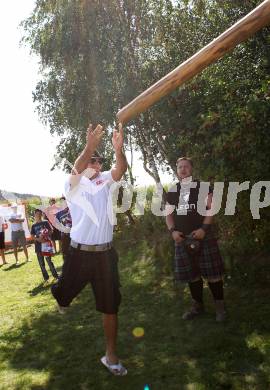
{"x": 98, "y": 182}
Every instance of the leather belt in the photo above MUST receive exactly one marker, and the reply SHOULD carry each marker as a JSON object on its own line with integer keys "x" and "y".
{"x": 91, "y": 248}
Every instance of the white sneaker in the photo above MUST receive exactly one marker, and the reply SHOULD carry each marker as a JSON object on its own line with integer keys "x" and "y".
{"x": 61, "y": 309}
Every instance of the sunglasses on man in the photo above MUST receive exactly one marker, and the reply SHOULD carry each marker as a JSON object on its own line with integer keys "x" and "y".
{"x": 99, "y": 160}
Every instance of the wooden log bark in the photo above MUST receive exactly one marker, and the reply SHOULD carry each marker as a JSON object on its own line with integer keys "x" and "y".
{"x": 239, "y": 32}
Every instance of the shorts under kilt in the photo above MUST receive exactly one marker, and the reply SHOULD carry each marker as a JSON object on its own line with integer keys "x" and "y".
{"x": 2, "y": 240}
{"x": 56, "y": 235}
{"x": 207, "y": 262}
{"x": 100, "y": 269}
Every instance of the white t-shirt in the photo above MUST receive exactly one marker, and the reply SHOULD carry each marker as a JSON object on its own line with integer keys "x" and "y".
{"x": 16, "y": 226}
{"x": 1, "y": 222}
{"x": 90, "y": 205}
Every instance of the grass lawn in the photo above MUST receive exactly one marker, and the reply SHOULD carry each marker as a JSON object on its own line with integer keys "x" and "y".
{"x": 41, "y": 349}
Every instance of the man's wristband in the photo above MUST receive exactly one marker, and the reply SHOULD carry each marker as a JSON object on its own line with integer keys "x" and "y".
{"x": 205, "y": 227}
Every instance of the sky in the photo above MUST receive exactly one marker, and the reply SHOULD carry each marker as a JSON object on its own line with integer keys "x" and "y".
{"x": 27, "y": 148}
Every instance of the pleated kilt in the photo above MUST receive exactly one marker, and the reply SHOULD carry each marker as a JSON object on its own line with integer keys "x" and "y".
{"x": 207, "y": 262}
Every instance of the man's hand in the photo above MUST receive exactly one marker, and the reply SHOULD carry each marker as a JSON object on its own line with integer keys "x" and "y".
{"x": 198, "y": 234}
{"x": 93, "y": 137}
{"x": 118, "y": 138}
{"x": 177, "y": 236}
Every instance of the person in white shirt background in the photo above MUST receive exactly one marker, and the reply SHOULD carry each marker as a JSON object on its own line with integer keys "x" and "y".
{"x": 2, "y": 240}
{"x": 91, "y": 257}
{"x": 17, "y": 233}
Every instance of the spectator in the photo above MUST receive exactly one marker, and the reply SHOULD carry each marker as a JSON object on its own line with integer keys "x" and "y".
{"x": 63, "y": 217}
{"x": 3, "y": 226}
{"x": 206, "y": 262}
{"x": 36, "y": 232}
{"x": 50, "y": 215}
{"x": 17, "y": 233}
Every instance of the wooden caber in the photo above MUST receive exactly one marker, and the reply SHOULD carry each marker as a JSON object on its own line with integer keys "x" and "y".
{"x": 239, "y": 32}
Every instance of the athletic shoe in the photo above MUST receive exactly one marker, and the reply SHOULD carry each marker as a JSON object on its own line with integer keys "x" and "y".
{"x": 61, "y": 309}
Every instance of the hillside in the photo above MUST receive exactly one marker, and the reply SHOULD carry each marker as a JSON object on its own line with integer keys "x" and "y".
{"x": 14, "y": 196}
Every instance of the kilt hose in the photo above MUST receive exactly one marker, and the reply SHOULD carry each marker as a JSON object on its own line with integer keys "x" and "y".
{"x": 207, "y": 262}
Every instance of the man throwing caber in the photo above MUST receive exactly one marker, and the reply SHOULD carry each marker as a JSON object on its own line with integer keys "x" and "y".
{"x": 91, "y": 257}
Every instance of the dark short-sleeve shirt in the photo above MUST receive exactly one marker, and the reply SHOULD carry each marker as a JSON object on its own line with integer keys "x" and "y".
{"x": 186, "y": 216}
{"x": 35, "y": 231}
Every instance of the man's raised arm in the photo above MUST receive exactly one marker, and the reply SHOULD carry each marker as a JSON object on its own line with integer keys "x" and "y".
{"x": 121, "y": 162}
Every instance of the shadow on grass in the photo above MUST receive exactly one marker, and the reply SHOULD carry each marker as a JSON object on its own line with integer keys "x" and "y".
{"x": 10, "y": 250}
{"x": 14, "y": 266}
{"x": 40, "y": 289}
{"x": 59, "y": 269}
{"x": 172, "y": 354}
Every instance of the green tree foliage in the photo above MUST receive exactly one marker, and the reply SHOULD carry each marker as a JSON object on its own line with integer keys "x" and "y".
{"x": 89, "y": 53}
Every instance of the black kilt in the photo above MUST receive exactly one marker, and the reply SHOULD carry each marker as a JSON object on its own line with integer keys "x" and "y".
{"x": 207, "y": 262}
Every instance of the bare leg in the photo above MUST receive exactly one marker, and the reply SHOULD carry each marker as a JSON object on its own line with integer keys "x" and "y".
{"x": 25, "y": 252}
{"x": 16, "y": 253}
{"x": 2, "y": 252}
{"x": 110, "y": 324}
